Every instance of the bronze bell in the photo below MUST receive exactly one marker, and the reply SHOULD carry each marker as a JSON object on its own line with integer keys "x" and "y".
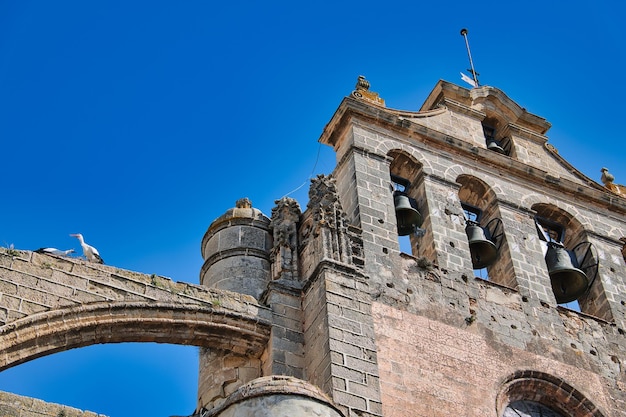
{"x": 568, "y": 282}
{"x": 483, "y": 250}
{"x": 494, "y": 145}
{"x": 407, "y": 216}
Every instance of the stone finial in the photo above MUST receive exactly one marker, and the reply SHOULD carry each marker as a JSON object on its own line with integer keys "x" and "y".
{"x": 362, "y": 92}
{"x": 362, "y": 83}
{"x": 607, "y": 179}
{"x": 606, "y": 176}
{"x": 243, "y": 203}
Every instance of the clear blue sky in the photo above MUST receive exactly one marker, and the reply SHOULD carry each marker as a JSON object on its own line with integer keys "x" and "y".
{"x": 137, "y": 123}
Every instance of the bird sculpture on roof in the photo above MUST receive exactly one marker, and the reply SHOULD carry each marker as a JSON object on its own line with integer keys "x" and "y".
{"x": 607, "y": 179}
{"x": 54, "y": 251}
{"x": 89, "y": 251}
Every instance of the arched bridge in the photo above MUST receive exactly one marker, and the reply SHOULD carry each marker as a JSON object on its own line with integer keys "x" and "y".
{"x": 50, "y": 304}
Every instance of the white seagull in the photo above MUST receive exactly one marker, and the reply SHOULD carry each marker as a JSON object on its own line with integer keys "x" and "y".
{"x": 54, "y": 251}
{"x": 89, "y": 251}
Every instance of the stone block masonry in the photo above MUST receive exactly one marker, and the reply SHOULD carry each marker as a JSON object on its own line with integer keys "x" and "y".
{"x": 12, "y": 405}
{"x": 319, "y": 313}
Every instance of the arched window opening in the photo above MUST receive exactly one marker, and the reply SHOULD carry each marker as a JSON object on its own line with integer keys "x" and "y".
{"x": 493, "y": 138}
{"x": 409, "y": 197}
{"x": 572, "y": 271}
{"x": 485, "y": 232}
{"x": 408, "y": 217}
{"x": 532, "y": 393}
{"x": 571, "y": 261}
{"x": 484, "y": 241}
{"x": 525, "y": 408}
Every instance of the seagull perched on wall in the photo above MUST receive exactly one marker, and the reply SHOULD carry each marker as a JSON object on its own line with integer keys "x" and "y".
{"x": 54, "y": 251}
{"x": 89, "y": 251}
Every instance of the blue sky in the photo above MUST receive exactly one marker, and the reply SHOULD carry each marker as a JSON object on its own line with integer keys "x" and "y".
{"x": 137, "y": 123}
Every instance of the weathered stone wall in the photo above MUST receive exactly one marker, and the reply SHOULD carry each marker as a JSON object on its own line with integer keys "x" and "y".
{"x": 276, "y": 396}
{"x": 448, "y": 343}
{"x": 337, "y": 322}
{"x": 33, "y": 283}
{"x": 52, "y": 304}
{"x": 12, "y": 405}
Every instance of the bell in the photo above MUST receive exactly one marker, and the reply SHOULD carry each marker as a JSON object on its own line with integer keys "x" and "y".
{"x": 483, "y": 250}
{"x": 493, "y": 145}
{"x": 407, "y": 217}
{"x": 568, "y": 282}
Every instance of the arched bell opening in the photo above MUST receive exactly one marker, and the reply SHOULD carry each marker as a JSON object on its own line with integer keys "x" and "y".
{"x": 494, "y": 139}
{"x": 410, "y": 206}
{"x": 485, "y": 232}
{"x": 484, "y": 241}
{"x": 571, "y": 261}
{"x": 408, "y": 217}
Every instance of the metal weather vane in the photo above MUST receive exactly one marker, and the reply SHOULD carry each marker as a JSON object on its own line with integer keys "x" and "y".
{"x": 474, "y": 80}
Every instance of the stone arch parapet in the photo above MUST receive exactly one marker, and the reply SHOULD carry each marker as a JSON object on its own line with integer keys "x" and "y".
{"x": 63, "y": 329}
{"x": 50, "y": 304}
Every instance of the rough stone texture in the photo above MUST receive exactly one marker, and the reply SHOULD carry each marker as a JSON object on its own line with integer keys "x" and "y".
{"x": 53, "y": 304}
{"x": 276, "y": 396}
{"x": 334, "y": 319}
{"x": 12, "y": 405}
{"x": 236, "y": 248}
{"x": 446, "y": 342}
{"x": 279, "y": 405}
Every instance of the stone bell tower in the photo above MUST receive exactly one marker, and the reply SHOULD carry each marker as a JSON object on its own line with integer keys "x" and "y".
{"x": 452, "y": 264}
{"x": 512, "y": 287}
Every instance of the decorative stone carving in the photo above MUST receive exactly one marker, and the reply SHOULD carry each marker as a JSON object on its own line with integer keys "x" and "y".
{"x": 329, "y": 223}
{"x": 607, "y": 179}
{"x": 284, "y": 255}
{"x": 243, "y": 203}
{"x": 362, "y": 92}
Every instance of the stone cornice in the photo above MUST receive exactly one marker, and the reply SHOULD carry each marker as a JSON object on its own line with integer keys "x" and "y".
{"x": 476, "y": 99}
{"x": 457, "y": 107}
{"x": 351, "y": 109}
{"x": 522, "y": 132}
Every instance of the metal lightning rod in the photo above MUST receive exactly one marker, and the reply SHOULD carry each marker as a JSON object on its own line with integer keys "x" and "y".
{"x": 469, "y": 54}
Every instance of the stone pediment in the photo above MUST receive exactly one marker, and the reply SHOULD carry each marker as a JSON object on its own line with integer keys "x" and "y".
{"x": 488, "y": 100}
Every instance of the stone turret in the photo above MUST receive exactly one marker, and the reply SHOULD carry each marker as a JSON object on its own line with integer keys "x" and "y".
{"x": 236, "y": 250}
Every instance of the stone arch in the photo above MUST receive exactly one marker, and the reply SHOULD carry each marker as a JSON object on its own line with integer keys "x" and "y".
{"x": 535, "y": 199}
{"x": 475, "y": 191}
{"x": 389, "y": 147}
{"x": 575, "y": 232}
{"x": 58, "y": 330}
{"x": 405, "y": 165}
{"x": 453, "y": 172}
{"x": 494, "y": 128}
{"x": 575, "y": 239}
{"x": 478, "y": 194}
{"x": 545, "y": 389}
